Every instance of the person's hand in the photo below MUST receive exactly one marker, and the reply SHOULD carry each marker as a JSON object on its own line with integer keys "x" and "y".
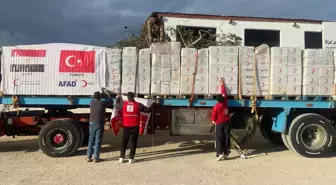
{"x": 213, "y": 122}
{"x": 221, "y": 81}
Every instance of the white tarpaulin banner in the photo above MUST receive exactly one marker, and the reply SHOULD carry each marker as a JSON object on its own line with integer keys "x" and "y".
{"x": 53, "y": 69}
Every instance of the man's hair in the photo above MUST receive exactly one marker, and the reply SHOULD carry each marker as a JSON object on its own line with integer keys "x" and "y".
{"x": 220, "y": 98}
{"x": 154, "y": 15}
{"x": 130, "y": 96}
{"x": 97, "y": 95}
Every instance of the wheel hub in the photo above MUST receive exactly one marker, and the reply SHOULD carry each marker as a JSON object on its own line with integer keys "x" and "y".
{"x": 314, "y": 136}
{"x": 58, "y": 138}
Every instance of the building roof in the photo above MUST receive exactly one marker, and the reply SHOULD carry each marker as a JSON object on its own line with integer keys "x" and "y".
{"x": 238, "y": 18}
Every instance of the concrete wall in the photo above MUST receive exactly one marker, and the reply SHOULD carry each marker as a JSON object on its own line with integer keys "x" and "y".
{"x": 290, "y": 36}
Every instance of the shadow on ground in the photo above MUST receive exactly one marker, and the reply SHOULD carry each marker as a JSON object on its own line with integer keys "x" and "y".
{"x": 150, "y": 147}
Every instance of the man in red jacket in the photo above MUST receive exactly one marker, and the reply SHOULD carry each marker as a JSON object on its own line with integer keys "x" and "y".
{"x": 221, "y": 119}
{"x": 131, "y": 123}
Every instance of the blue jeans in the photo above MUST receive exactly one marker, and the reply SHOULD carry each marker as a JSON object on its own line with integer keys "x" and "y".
{"x": 96, "y": 131}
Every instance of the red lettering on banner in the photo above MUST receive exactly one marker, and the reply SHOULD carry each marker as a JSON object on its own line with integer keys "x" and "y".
{"x": 28, "y": 53}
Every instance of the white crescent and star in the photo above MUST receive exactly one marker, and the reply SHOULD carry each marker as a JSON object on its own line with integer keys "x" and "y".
{"x": 67, "y": 62}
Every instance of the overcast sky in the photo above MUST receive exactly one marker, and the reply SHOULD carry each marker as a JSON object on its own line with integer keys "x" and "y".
{"x": 101, "y": 22}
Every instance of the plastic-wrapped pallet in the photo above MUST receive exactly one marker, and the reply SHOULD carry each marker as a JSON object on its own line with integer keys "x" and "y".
{"x": 165, "y": 68}
{"x": 129, "y": 69}
{"x": 113, "y": 64}
{"x": 202, "y": 73}
{"x": 216, "y": 68}
{"x": 318, "y": 72}
{"x": 279, "y": 71}
{"x": 175, "y": 60}
{"x": 144, "y": 72}
{"x": 188, "y": 59}
{"x": 260, "y": 77}
{"x": 294, "y": 71}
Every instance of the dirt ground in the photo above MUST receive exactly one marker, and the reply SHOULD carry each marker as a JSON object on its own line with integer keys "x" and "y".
{"x": 162, "y": 159}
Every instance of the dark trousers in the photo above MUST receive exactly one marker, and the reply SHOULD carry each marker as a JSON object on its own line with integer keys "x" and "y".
{"x": 95, "y": 139}
{"x": 223, "y": 138}
{"x": 130, "y": 133}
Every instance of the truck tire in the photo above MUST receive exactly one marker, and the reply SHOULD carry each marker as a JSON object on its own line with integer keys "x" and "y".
{"x": 81, "y": 131}
{"x": 311, "y": 135}
{"x": 285, "y": 141}
{"x": 265, "y": 126}
{"x": 59, "y": 138}
{"x": 250, "y": 124}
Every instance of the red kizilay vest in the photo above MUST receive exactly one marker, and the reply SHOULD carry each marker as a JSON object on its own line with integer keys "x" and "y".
{"x": 131, "y": 114}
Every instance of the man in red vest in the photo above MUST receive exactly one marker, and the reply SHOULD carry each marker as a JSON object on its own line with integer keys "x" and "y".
{"x": 131, "y": 123}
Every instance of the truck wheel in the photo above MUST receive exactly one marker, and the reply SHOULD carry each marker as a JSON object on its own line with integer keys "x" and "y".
{"x": 247, "y": 122}
{"x": 311, "y": 135}
{"x": 285, "y": 141}
{"x": 81, "y": 131}
{"x": 59, "y": 138}
{"x": 265, "y": 126}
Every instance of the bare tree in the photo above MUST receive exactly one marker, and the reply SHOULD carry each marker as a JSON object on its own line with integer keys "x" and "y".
{"x": 197, "y": 38}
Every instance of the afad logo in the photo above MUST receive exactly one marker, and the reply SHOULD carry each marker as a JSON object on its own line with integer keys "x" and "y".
{"x": 74, "y": 83}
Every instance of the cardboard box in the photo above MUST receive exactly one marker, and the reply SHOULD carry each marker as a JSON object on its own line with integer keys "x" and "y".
{"x": 215, "y": 51}
{"x": 216, "y": 70}
{"x": 165, "y": 74}
{"x": 203, "y": 62}
{"x": 129, "y": 61}
{"x": 144, "y": 71}
{"x": 201, "y": 79}
{"x": 308, "y": 90}
{"x": 188, "y": 52}
{"x": 176, "y": 74}
{"x": 201, "y": 88}
{"x": 279, "y": 51}
{"x": 312, "y": 53}
{"x": 129, "y": 71}
{"x": 187, "y": 71}
{"x": 156, "y": 60}
{"x": 308, "y": 62}
{"x": 188, "y": 61}
{"x": 231, "y": 50}
{"x": 129, "y": 51}
{"x": 311, "y": 71}
{"x": 278, "y": 90}
{"x": 294, "y": 61}
{"x": 203, "y": 53}
{"x": 202, "y": 71}
{"x": 293, "y": 89}
{"x": 166, "y": 63}
{"x": 312, "y": 81}
{"x": 325, "y": 90}
{"x": 294, "y": 70}
{"x": 246, "y": 50}
{"x": 279, "y": 60}
{"x": 165, "y": 88}
{"x": 155, "y": 87}
{"x": 174, "y": 87}
{"x": 230, "y": 60}
{"x": 294, "y": 80}
{"x": 325, "y": 81}
{"x": 278, "y": 70}
{"x": 175, "y": 60}
{"x": 278, "y": 80}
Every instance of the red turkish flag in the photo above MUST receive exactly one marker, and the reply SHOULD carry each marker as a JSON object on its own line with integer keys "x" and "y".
{"x": 72, "y": 61}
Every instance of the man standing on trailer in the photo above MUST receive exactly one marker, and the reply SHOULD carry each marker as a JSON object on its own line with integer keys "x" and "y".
{"x": 131, "y": 125}
{"x": 155, "y": 29}
{"x": 220, "y": 117}
{"x": 96, "y": 129}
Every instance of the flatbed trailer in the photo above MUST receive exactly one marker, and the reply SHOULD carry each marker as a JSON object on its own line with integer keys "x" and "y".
{"x": 306, "y": 127}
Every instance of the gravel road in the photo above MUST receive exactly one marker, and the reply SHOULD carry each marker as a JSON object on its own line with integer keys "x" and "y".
{"x": 163, "y": 160}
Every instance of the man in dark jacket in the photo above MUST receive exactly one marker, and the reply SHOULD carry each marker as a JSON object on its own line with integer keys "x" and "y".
{"x": 131, "y": 123}
{"x": 96, "y": 129}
